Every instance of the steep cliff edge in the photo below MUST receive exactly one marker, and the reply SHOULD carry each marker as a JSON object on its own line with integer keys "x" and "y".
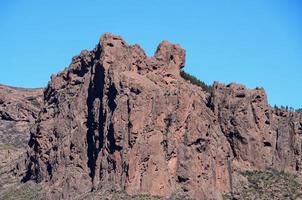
{"x": 117, "y": 120}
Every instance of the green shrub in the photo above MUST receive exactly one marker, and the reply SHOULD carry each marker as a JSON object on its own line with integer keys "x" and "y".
{"x": 21, "y": 192}
{"x": 299, "y": 110}
{"x": 268, "y": 184}
{"x": 195, "y": 81}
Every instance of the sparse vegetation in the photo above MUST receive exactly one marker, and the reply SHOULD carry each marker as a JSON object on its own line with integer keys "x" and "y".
{"x": 6, "y": 147}
{"x": 287, "y": 108}
{"x": 195, "y": 81}
{"x": 117, "y": 195}
{"x": 22, "y": 192}
{"x": 269, "y": 184}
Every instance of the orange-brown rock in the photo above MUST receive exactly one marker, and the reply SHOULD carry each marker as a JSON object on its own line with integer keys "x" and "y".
{"x": 19, "y": 108}
{"x": 116, "y": 119}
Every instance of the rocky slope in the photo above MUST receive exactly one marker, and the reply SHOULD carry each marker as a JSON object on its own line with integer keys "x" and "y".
{"x": 117, "y": 120}
{"x": 19, "y": 109}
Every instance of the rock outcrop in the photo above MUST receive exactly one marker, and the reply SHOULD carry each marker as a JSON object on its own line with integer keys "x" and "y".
{"x": 116, "y": 119}
{"x": 18, "y": 110}
{"x": 259, "y": 136}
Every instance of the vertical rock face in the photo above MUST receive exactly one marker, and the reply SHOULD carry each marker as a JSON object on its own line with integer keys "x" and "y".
{"x": 259, "y": 136}
{"x": 245, "y": 119}
{"x": 117, "y": 119}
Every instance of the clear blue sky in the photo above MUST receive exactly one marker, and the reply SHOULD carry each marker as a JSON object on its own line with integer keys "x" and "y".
{"x": 254, "y": 42}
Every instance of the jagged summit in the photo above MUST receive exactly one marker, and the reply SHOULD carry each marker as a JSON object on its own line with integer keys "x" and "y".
{"x": 118, "y": 120}
{"x": 172, "y": 55}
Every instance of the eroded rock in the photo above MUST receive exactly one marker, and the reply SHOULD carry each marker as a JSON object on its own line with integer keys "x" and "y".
{"x": 118, "y": 120}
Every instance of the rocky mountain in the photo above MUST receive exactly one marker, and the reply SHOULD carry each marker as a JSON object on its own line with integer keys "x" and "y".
{"x": 119, "y": 121}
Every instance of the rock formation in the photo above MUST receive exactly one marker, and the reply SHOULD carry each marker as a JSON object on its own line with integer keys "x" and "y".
{"x": 116, "y": 119}
{"x": 18, "y": 110}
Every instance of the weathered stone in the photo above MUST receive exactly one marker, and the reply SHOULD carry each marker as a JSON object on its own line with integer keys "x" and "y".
{"x": 116, "y": 119}
{"x": 19, "y": 109}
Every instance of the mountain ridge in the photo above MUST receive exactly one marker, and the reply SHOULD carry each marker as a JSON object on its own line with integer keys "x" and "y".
{"x": 116, "y": 119}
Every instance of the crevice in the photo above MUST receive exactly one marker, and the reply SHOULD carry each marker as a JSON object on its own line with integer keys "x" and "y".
{"x": 255, "y": 116}
{"x": 210, "y": 102}
{"x": 131, "y": 137}
{"x": 95, "y": 126}
{"x": 297, "y": 167}
{"x": 228, "y": 136}
{"x": 111, "y": 139}
{"x": 33, "y": 171}
{"x": 49, "y": 169}
{"x": 233, "y": 148}
{"x": 165, "y": 142}
{"x": 112, "y": 93}
{"x": 230, "y": 171}
{"x": 125, "y": 174}
{"x": 31, "y": 141}
{"x": 277, "y": 138}
{"x": 28, "y": 174}
{"x": 232, "y": 137}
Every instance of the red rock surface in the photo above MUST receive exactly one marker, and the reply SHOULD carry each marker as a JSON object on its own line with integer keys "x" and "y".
{"x": 18, "y": 110}
{"x": 117, "y": 119}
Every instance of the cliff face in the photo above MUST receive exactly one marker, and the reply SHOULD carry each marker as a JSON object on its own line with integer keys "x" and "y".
{"x": 116, "y": 119}
{"x": 258, "y": 135}
{"x": 18, "y": 110}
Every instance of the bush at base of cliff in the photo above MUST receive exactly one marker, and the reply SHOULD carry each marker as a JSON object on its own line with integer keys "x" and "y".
{"x": 269, "y": 184}
{"x": 17, "y": 191}
{"x": 117, "y": 195}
